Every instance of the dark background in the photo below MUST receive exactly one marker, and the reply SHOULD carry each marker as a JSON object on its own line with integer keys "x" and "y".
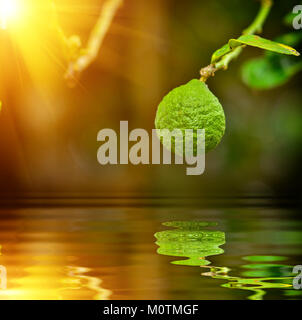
{"x": 48, "y": 131}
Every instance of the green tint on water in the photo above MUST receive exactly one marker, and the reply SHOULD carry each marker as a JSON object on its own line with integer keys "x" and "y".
{"x": 109, "y": 251}
{"x": 191, "y": 240}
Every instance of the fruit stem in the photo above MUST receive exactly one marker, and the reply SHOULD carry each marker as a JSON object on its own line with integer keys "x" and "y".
{"x": 255, "y": 27}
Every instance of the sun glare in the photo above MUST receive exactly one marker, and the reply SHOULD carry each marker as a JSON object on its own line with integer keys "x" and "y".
{"x": 8, "y": 12}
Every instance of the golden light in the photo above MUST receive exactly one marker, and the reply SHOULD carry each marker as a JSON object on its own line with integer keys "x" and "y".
{"x": 8, "y": 11}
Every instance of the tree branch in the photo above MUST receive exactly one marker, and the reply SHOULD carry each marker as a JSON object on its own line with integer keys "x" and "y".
{"x": 79, "y": 58}
{"x": 255, "y": 27}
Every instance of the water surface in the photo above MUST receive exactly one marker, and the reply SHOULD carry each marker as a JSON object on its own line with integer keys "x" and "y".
{"x": 149, "y": 253}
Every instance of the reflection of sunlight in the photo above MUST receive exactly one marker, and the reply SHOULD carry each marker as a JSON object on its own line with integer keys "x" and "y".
{"x": 51, "y": 283}
{"x": 49, "y": 279}
{"x": 3, "y": 278}
{"x": 89, "y": 282}
{"x": 3, "y": 275}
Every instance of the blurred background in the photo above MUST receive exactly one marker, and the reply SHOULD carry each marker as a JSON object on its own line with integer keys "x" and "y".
{"x": 48, "y": 131}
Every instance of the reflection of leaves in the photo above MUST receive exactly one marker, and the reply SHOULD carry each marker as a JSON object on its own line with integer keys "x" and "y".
{"x": 257, "y": 277}
{"x": 273, "y": 70}
{"x": 264, "y": 258}
{"x": 268, "y": 270}
{"x": 190, "y": 241}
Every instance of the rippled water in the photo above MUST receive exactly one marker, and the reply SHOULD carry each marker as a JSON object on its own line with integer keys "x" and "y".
{"x": 149, "y": 253}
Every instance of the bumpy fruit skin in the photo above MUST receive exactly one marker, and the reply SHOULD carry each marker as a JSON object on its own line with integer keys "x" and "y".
{"x": 193, "y": 106}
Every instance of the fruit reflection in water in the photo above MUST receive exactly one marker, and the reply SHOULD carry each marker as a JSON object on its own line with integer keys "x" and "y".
{"x": 190, "y": 239}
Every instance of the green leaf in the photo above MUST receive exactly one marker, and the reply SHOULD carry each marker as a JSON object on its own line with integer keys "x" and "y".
{"x": 264, "y": 73}
{"x": 291, "y": 39}
{"x": 289, "y": 18}
{"x": 261, "y": 74}
{"x": 218, "y": 54}
{"x": 256, "y": 41}
{"x": 273, "y": 70}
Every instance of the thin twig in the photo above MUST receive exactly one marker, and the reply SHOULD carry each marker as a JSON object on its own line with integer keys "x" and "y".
{"x": 255, "y": 27}
{"x": 79, "y": 58}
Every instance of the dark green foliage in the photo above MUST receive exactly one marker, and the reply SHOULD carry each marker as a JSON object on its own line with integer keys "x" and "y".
{"x": 273, "y": 70}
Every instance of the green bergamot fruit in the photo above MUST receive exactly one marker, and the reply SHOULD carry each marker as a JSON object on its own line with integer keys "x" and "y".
{"x": 192, "y": 106}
